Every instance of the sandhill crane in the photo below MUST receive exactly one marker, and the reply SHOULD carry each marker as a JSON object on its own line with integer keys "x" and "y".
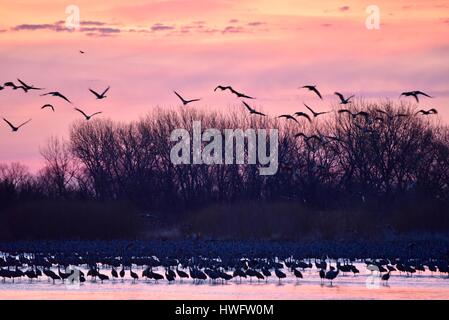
{"x": 279, "y": 274}
{"x": 313, "y": 89}
{"x": 114, "y": 273}
{"x": 102, "y": 95}
{"x": 288, "y": 117}
{"x": 356, "y": 114}
{"x": 28, "y": 87}
{"x": 13, "y": 127}
{"x": 184, "y": 101}
{"x": 57, "y": 94}
{"x": 415, "y": 94}
{"x": 238, "y": 94}
{"x": 88, "y": 117}
{"x": 253, "y": 111}
{"x": 303, "y": 114}
{"x": 314, "y": 113}
{"x": 14, "y": 86}
{"x": 386, "y": 277}
{"x": 133, "y": 275}
{"x": 102, "y": 277}
{"x": 48, "y": 106}
{"x": 427, "y": 112}
{"x": 343, "y": 100}
{"x": 331, "y": 275}
{"x": 51, "y": 275}
{"x": 182, "y": 274}
{"x": 297, "y": 274}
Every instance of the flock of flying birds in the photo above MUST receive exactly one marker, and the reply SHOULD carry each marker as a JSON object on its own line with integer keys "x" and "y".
{"x": 343, "y": 101}
{"x": 26, "y": 87}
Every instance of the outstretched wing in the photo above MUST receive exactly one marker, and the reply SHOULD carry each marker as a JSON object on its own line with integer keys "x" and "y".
{"x": 181, "y": 98}
{"x": 23, "y": 124}
{"x": 82, "y": 112}
{"x": 302, "y": 114}
{"x": 94, "y": 114}
{"x": 58, "y": 94}
{"x": 9, "y": 123}
{"x": 95, "y": 93}
{"x": 248, "y": 107}
{"x": 317, "y": 92}
{"x": 107, "y": 89}
{"x": 342, "y": 98}
{"x": 423, "y": 93}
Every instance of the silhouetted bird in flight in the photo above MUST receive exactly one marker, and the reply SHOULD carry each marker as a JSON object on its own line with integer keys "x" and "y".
{"x": 1, "y": 88}
{"x": 354, "y": 115}
{"x": 253, "y": 111}
{"x": 314, "y": 89}
{"x": 238, "y": 94}
{"x": 14, "y": 128}
{"x": 56, "y": 94}
{"x": 85, "y": 115}
{"x": 14, "y": 87}
{"x": 288, "y": 117}
{"x": 415, "y": 94}
{"x": 28, "y": 87}
{"x": 342, "y": 98}
{"x": 48, "y": 106}
{"x": 303, "y": 114}
{"x": 184, "y": 101}
{"x": 315, "y": 114}
{"x": 102, "y": 95}
{"x": 307, "y": 138}
{"x": 82, "y": 52}
{"x": 427, "y": 112}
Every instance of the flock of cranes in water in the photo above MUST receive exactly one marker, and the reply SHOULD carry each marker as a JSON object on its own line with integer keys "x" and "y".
{"x": 288, "y": 117}
{"x": 199, "y": 269}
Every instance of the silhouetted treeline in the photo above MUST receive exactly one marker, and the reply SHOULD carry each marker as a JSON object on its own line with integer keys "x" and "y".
{"x": 391, "y": 166}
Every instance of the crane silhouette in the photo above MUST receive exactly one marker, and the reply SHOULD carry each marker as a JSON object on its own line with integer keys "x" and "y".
{"x": 56, "y": 94}
{"x": 184, "y": 101}
{"x": 238, "y": 94}
{"x": 343, "y": 100}
{"x": 414, "y": 94}
{"x": 313, "y": 89}
{"x": 100, "y": 95}
{"x": 88, "y": 117}
{"x": 13, "y": 127}
{"x": 48, "y": 106}
{"x": 253, "y": 111}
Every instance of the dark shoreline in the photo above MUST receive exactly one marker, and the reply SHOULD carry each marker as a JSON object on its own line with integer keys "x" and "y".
{"x": 419, "y": 249}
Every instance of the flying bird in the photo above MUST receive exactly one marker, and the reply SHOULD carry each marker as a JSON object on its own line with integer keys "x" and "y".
{"x": 307, "y": 138}
{"x": 56, "y": 94}
{"x": 14, "y": 87}
{"x": 342, "y": 98}
{"x": 48, "y": 106}
{"x": 354, "y": 115}
{"x": 238, "y": 94}
{"x": 81, "y": 51}
{"x": 102, "y": 95}
{"x": 14, "y": 128}
{"x": 288, "y": 117}
{"x": 303, "y": 114}
{"x": 315, "y": 114}
{"x": 1, "y": 88}
{"x": 314, "y": 89}
{"x": 427, "y": 112}
{"x": 85, "y": 115}
{"x": 414, "y": 94}
{"x": 185, "y": 102}
{"x": 253, "y": 111}
{"x": 28, "y": 87}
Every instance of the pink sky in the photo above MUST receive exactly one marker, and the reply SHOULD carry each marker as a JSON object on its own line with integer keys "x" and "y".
{"x": 146, "y": 49}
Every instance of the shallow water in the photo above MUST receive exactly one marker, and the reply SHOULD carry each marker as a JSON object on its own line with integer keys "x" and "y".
{"x": 362, "y": 286}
